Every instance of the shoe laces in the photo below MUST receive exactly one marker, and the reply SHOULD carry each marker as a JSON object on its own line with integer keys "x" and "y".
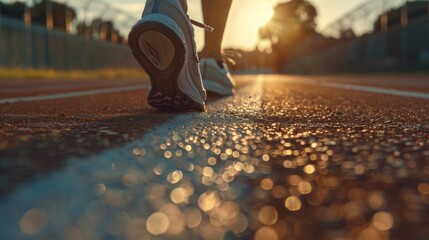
{"x": 231, "y": 56}
{"x": 227, "y": 55}
{"x": 201, "y": 25}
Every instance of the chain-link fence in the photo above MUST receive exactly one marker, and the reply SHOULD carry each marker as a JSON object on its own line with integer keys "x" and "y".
{"x": 65, "y": 35}
{"x": 378, "y": 36}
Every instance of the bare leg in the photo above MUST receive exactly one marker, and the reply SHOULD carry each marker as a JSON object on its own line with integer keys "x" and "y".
{"x": 216, "y": 15}
{"x": 184, "y": 4}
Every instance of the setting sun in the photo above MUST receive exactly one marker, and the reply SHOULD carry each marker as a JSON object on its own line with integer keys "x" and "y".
{"x": 246, "y": 21}
{"x": 261, "y": 14}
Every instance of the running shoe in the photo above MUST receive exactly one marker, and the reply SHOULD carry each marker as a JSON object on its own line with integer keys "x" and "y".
{"x": 163, "y": 42}
{"x": 216, "y": 77}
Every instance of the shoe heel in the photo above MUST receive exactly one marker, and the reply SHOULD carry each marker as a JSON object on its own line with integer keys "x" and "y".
{"x": 161, "y": 53}
{"x": 159, "y": 46}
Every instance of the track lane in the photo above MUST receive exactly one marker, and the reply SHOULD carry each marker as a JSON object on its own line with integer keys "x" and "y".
{"x": 310, "y": 152}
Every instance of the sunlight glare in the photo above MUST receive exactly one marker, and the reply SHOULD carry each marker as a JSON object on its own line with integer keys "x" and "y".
{"x": 244, "y": 24}
{"x": 261, "y": 15}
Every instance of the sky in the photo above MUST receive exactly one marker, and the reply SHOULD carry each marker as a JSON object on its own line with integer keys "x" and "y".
{"x": 247, "y": 16}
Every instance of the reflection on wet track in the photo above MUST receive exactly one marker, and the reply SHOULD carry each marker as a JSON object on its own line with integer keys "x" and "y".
{"x": 246, "y": 170}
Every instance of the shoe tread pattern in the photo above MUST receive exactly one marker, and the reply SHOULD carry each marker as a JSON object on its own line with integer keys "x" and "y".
{"x": 165, "y": 93}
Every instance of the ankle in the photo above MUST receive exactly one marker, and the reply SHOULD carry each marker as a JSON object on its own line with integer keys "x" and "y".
{"x": 216, "y": 55}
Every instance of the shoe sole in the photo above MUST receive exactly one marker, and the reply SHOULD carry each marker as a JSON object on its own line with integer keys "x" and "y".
{"x": 151, "y": 44}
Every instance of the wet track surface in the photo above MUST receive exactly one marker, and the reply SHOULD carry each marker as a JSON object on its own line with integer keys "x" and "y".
{"x": 282, "y": 159}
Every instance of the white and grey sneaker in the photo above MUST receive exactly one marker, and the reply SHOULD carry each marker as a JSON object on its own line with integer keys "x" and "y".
{"x": 216, "y": 77}
{"x": 164, "y": 45}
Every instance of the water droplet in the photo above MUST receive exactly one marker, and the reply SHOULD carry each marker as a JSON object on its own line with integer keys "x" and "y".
{"x": 267, "y": 184}
{"x": 193, "y": 217}
{"x": 179, "y": 195}
{"x": 175, "y": 176}
{"x": 309, "y": 169}
{"x": 157, "y": 224}
{"x": 423, "y": 188}
{"x": 212, "y": 161}
{"x": 266, "y": 158}
{"x": 383, "y": 221}
{"x": 208, "y": 201}
{"x": 100, "y": 189}
{"x": 268, "y": 215}
{"x": 305, "y": 187}
{"x": 33, "y": 221}
{"x": 266, "y": 233}
{"x": 293, "y": 204}
{"x": 168, "y": 154}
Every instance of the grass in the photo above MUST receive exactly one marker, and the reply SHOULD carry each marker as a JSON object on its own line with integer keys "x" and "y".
{"x": 49, "y": 74}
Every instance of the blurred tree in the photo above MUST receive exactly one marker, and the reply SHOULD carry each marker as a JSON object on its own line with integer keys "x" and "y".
{"x": 62, "y": 15}
{"x": 291, "y": 23}
{"x": 13, "y": 10}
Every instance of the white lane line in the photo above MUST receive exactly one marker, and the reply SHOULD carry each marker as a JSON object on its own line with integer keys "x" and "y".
{"x": 74, "y": 94}
{"x": 377, "y": 90}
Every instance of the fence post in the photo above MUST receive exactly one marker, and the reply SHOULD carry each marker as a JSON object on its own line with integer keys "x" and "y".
{"x": 28, "y": 38}
{"x": 404, "y": 37}
{"x": 49, "y": 26}
{"x": 1, "y": 34}
{"x": 384, "y": 37}
{"x": 66, "y": 40}
{"x": 86, "y": 6}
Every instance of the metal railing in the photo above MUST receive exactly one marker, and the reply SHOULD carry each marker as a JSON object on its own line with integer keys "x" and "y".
{"x": 378, "y": 36}
{"x": 27, "y": 45}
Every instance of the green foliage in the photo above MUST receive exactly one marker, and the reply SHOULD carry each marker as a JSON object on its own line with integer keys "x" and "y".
{"x": 292, "y": 22}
